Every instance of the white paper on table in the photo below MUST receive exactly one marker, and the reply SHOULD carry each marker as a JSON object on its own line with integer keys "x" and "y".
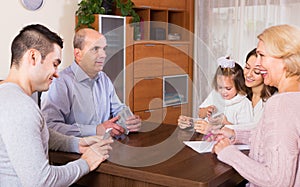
{"x": 206, "y": 147}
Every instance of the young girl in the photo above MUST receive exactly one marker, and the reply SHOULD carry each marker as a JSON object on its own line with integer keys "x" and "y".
{"x": 229, "y": 95}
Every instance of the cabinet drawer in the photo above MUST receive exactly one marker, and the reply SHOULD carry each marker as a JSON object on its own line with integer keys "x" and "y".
{"x": 148, "y": 60}
{"x": 151, "y": 115}
{"x": 171, "y": 113}
{"x": 147, "y": 94}
{"x": 172, "y": 4}
{"x": 175, "y": 59}
{"x": 145, "y": 4}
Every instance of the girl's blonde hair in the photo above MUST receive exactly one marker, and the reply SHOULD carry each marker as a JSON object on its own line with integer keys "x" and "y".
{"x": 283, "y": 41}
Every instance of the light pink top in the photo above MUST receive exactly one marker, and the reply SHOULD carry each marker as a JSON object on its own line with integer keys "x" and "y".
{"x": 275, "y": 144}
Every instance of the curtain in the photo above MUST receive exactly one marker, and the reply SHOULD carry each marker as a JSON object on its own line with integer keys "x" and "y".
{"x": 230, "y": 28}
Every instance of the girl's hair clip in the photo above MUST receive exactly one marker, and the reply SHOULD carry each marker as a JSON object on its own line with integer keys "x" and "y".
{"x": 226, "y": 62}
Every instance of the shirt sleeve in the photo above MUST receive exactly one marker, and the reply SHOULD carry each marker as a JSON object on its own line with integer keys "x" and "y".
{"x": 25, "y": 137}
{"x": 115, "y": 103}
{"x": 274, "y": 148}
{"x": 61, "y": 142}
{"x": 55, "y": 106}
{"x": 245, "y": 114}
{"x": 242, "y": 136}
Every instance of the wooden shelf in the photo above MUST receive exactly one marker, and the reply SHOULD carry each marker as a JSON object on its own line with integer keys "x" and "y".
{"x": 158, "y": 23}
{"x": 163, "y": 50}
{"x": 167, "y": 42}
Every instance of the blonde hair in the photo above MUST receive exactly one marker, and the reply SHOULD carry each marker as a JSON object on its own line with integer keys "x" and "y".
{"x": 283, "y": 41}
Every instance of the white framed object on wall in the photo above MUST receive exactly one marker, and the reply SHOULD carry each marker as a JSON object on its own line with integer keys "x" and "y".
{"x": 32, "y": 4}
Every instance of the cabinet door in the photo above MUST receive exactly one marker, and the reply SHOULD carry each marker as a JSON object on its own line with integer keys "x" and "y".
{"x": 176, "y": 59}
{"x": 148, "y": 60}
{"x": 115, "y": 63}
{"x": 147, "y": 94}
{"x": 171, "y": 113}
{"x": 154, "y": 116}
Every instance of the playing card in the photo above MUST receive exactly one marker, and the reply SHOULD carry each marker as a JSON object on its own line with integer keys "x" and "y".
{"x": 107, "y": 133}
{"x": 124, "y": 114}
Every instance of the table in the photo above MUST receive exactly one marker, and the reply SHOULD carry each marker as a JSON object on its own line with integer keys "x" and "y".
{"x": 156, "y": 157}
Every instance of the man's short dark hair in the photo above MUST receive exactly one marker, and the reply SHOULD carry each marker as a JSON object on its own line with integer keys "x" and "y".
{"x": 34, "y": 36}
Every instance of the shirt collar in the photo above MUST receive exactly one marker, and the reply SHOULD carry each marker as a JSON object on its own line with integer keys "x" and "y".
{"x": 80, "y": 75}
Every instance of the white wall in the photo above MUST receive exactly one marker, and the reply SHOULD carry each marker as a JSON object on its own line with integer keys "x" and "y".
{"x": 57, "y": 15}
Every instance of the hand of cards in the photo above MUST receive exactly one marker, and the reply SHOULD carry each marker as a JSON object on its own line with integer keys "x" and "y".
{"x": 216, "y": 119}
{"x": 124, "y": 114}
{"x": 107, "y": 133}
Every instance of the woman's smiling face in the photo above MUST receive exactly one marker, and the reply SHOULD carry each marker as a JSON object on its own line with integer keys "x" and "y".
{"x": 272, "y": 69}
{"x": 252, "y": 75}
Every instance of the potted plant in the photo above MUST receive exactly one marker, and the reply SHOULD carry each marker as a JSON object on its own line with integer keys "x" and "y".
{"x": 126, "y": 8}
{"x": 87, "y": 9}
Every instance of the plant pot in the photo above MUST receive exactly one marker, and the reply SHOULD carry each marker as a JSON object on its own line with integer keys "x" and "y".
{"x": 109, "y": 6}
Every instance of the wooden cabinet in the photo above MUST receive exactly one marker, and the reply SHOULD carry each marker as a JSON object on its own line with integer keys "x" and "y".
{"x": 148, "y": 60}
{"x": 176, "y": 59}
{"x": 162, "y": 60}
{"x": 161, "y": 81}
{"x": 171, "y": 113}
{"x": 147, "y": 93}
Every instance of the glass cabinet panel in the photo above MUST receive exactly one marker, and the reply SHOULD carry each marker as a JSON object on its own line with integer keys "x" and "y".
{"x": 113, "y": 28}
{"x": 175, "y": 89}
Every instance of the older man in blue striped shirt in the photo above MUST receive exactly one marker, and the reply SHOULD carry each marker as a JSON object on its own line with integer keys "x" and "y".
{"x": 83, "y": 101}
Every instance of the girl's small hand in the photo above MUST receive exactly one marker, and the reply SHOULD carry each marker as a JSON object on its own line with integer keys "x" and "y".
{"x": 210, "y": 110}
{"x": 202, "y": 126}
{"x": 220, "y": 145}
{"x": 225, "y": 121}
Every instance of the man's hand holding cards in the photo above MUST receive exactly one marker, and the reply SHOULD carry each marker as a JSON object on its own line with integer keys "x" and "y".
{"x": 124, "y": 114}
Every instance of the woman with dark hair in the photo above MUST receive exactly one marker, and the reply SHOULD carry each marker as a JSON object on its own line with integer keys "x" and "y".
{"x": 257, "y": 91}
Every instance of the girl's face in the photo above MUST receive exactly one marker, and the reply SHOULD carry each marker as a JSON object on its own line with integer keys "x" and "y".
{"x": 226, "y": 87}
{"x": 252, "y": 75}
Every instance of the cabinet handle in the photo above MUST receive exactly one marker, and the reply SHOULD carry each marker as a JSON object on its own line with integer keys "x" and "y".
{"x": 149, "y": 78}
{"x": 147, "y": 111}
{"x": 177, "y": 45}
{"x": 145, "y": 6}
{"x": 149, "y": 45}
